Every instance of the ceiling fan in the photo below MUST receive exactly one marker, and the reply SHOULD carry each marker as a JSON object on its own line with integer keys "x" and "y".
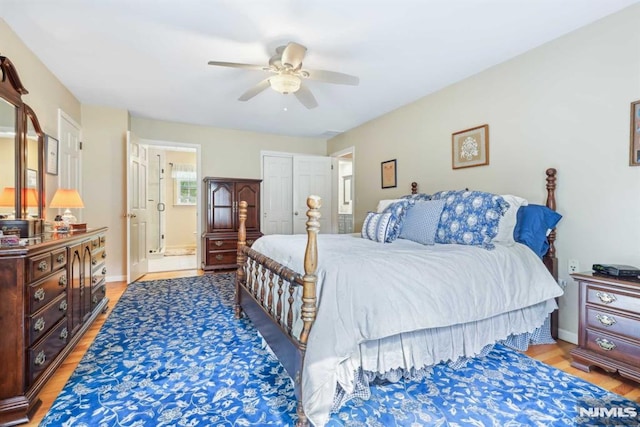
{"x": 288, "y": 74}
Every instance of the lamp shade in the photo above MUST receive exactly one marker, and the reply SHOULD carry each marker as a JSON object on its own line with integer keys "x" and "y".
{"x": 66, "y": 198}
{"x": 8, "y": 197}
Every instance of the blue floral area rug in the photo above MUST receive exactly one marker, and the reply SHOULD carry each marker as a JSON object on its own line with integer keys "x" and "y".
{"x": 172, "y": 354}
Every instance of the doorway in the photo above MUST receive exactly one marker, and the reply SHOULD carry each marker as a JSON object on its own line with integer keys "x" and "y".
{"x": 343, "y": 183}
{"x": 173, "y": 194}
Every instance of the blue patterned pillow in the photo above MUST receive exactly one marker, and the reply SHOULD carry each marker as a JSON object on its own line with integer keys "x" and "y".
{"x": 469, "y": 217}
{"x": 421, "y": 222}
{"x": 398, "y": 211}
{"x": 419, "y": 196}
{"x": 376, "y": 227}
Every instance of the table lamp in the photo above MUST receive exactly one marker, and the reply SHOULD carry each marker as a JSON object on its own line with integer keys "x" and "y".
{"x": 67, "y": 198}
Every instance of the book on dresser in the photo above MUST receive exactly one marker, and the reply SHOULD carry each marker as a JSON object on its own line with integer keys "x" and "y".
{"x": 220, "y": 237}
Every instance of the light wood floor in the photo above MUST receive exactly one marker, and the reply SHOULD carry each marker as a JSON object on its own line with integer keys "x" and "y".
{"x": 556, "y": 355}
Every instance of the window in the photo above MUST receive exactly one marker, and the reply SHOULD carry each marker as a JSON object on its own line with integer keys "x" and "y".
{"x": 185, "y": 192}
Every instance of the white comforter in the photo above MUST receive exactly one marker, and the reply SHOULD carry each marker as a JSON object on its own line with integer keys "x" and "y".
{"x": 368, "y": 291}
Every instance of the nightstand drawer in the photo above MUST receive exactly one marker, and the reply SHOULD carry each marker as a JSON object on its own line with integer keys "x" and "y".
{"x": 612, "y": 298}
{"x": 613, "y": 323}
{"x": 613, "y": 347}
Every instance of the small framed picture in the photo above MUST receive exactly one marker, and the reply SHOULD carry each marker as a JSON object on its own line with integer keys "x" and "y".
{"x": 634, "y": 147}
{"x": 389, "y": 174}
{"x": 470, "y": 147}
{"x": 51, "y": 155}
{"x": 32, "y": 178}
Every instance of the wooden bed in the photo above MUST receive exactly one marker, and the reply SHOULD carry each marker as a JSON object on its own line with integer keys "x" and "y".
{"x": 266, "y": 291}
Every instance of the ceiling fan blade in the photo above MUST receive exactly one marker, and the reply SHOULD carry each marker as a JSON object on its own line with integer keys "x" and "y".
{"x": 293, "y": 54}
{"x": 254, "y": 90}
{"x": 237, "y": 65}
{"x": 306, "y": 98}
{"x": 331, "y": 77}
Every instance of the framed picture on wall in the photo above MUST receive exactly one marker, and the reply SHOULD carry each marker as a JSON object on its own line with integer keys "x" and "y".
{"x": 389, "y": 174}
{"x": 470, "y": 147}
{"x": 51, "y": 155}
{"x": 634, "y": 147}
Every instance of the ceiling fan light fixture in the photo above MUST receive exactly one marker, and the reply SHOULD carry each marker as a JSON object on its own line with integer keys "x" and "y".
{"x": 285, "y": 83}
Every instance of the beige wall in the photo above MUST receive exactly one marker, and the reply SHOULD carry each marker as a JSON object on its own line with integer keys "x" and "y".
{"x": 181, "y": 220}
{"x": 226, "y": 152}
{"x": 564, "y": 105}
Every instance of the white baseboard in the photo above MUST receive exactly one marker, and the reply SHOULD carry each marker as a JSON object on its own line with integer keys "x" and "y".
{"x": 565, "y": 335}
{"x": 116, "y": 278}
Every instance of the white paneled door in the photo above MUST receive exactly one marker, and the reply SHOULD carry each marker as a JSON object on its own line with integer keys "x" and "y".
{"x": 287, "y": 181}
{"x": 311, "y": 176}
{"x": 70, "y": 156}
{"x": 137, "y": 260}
{"x": 277, "y": 191}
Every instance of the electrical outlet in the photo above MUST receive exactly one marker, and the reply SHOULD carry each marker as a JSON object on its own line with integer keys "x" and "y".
{"x": 574, "y": 266}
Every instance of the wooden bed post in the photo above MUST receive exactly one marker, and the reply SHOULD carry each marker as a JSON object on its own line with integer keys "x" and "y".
{"x": 550, "y": 257}
{"x": 309, "y": 280}
{"x": 414, "y": 188}
{"x": 309, "y": 300}
{"x": 241, "y": 257}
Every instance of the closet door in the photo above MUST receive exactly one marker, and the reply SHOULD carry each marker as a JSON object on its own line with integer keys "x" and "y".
{"x": 311, "y": 176}
{"x": 277, "y": 200}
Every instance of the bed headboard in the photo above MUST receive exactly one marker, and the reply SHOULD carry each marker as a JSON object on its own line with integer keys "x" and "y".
{"x": 550, "y": 260}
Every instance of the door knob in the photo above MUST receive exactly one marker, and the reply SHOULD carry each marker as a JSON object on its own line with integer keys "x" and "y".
{"x": 295, "y": 213}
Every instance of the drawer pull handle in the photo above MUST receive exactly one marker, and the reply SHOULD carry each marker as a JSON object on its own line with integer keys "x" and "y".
{"x": 63, "y": 306}
{"x": 104, "y": 270}
{"x": 605, "y": 344}
{"x": 94, "y": 299}
{"x": 39, "y": 294}
{"x": 104, "y": 254}
{"x": 43, "y": 266}
{"x": 102, "y": 239}
{"x": 250, "y": 242}
{"x": 606, "y": 320}
{"x": 605, "y": 297}
{"x": 64, "y": 333}
{"x": 62, "y": 281}
{"x": 39, "y": 325}
{"x": 94, "y": 244}
{"x": 60, "y": 259}
{"x": 219, "y": 257}
{"x": 219, "y": 243}
{"x": 40, "y": 359}
{"x": 94, "y": 261}
{"x": 94, "y": 280}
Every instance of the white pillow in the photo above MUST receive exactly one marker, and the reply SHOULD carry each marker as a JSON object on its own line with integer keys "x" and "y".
{"x": 383, "y": 204}
{"x": 508, "y": 221}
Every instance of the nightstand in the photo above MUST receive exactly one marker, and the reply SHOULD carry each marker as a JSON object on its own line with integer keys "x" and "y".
{"x": 609, "y": 328}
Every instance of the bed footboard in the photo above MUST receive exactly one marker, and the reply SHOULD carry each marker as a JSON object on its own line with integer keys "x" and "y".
{"x": 270, "y": 294}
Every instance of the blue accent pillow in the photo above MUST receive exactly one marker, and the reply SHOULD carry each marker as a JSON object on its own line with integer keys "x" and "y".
{"x": 469, "y": 217}
{"x": 534, "y": 222}
{"x": 376, "y": 227}
{"x": 421, "y": 221}
{"x": 398, "y": 211}
{"x": 418, "y": 196}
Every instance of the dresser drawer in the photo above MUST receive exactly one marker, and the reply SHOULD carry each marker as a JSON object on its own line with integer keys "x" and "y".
{"x": 39, "y": 266}
{"x": 613, "y": 298}
{"x": 59, "y": 258}
{"x": 40, "y": 322}
{"x": 222, "y": 244}
{"x": 41, "y": 355}
{"x": 613, "y": 323}
{"x": 98, "y": 295}
{"x": 98, "y": 274}
{"x": 42, "y": 292}
{"x": 613, "y": 347}
{"x": 222, "y": 257}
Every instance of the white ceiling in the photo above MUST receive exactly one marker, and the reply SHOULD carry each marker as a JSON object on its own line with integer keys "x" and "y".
{"x": 150, "y": 56}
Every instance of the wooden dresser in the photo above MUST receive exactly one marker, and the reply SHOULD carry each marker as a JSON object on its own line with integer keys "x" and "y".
{"x": 51, "y": 290}
{"x": 220, "y": 239}
{"x": 609, "y": 328}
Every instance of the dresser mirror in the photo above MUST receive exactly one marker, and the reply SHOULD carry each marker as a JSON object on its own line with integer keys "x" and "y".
{"x": 21, "y": 158}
